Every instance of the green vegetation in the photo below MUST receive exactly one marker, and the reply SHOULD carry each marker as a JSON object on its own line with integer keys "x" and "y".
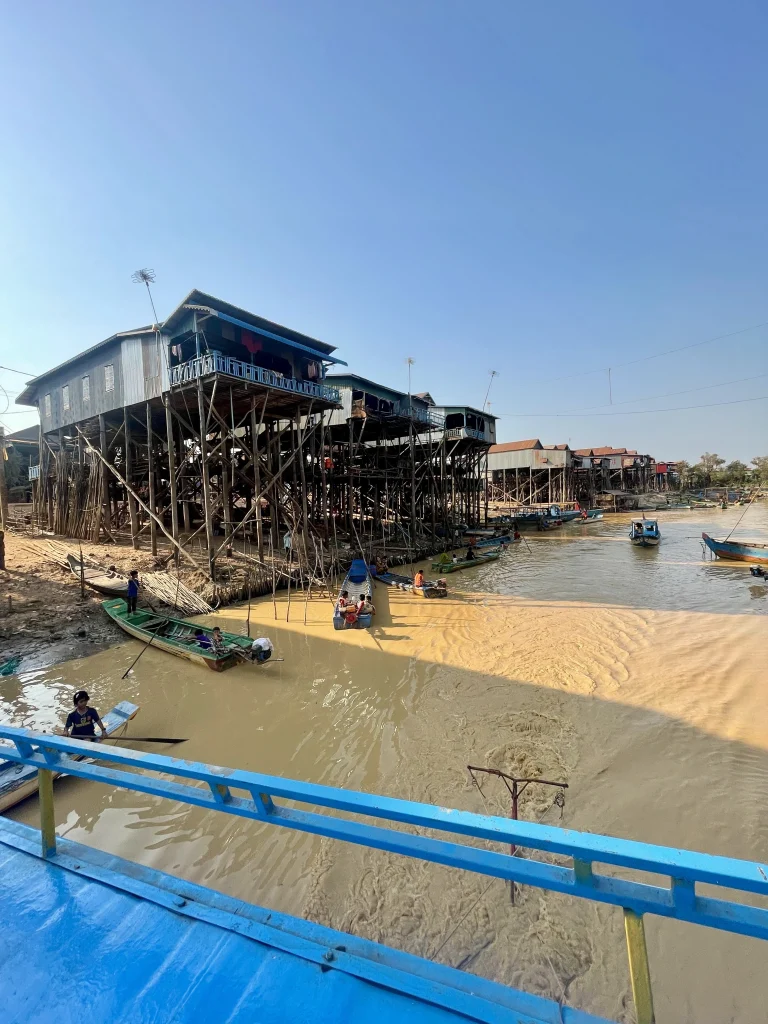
{"x": 711, "y": 471}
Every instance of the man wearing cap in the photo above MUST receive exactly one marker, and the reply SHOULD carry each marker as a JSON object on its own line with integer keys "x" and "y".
{"x": 80, "y": 722}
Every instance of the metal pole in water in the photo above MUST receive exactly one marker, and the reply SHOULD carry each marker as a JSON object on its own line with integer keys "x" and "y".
{"x": 639, "y": 970}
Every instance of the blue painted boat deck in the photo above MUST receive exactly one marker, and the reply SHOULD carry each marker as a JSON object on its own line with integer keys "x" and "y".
{"x": 87, "y": 937}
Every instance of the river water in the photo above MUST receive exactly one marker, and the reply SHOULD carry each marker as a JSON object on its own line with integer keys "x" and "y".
{"x": 637, "y": 676}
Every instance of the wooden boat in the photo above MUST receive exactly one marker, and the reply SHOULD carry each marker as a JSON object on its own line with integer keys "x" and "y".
{"x": 177, "y": 636}
{"x": 429, "y": 590}
{"x": 645, "y": 533}
{"x": 737, "y": 550}
{"x": 585, "y": 520}
{"x": 18, "y": 781}
{"x": 109, "y": 583}
{"x": 491, "y": 542}
{"x": 444, "y": 564}
{"x": 357, "y": 581}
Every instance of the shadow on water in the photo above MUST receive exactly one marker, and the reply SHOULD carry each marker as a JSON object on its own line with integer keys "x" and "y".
{"x": 355, "y": 715}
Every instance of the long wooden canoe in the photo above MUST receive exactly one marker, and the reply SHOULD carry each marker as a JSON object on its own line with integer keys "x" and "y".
{"x": 177, "y": 636}
{"x": 430, "y": 588}
{"x": 18, "y": 781}
{"x": 465, "y": 563}
{"x": 109, "y": 583}
{"x": 740, "y": 552}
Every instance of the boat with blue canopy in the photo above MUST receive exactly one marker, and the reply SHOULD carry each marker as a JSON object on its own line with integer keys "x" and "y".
{"x": 357, "y": 583}
{"x": 645, "y": 533}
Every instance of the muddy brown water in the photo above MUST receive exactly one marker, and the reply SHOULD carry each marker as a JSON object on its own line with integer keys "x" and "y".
{"x": 637, "y": 676}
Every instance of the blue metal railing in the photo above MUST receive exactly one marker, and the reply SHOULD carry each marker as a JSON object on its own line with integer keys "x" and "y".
{"x": 682, "y": 870}
{"x": 215, "y": 362}
{"x": 466, "y": 432}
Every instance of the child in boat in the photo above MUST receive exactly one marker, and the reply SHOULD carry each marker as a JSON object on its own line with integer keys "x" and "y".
{"x": 418, "y": 579}
{"x": 80, "y": 722}
{"x": 364, "y": 606}
{"x": 133, "y": 590}
{"x": 203, "y": 640}
{"x": 218, "y": 641}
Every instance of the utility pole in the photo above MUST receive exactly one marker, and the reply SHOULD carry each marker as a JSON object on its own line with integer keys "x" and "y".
{"x": 3, "y": 484}
{"x": 3, "y": 499}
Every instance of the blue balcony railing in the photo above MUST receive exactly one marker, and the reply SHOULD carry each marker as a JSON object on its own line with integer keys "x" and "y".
{"x": 215, "y": 362}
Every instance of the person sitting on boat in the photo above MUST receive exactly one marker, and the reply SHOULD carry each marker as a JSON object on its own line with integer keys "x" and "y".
{"x": 454, "y": 558}
{"x": 517, "y": 535}
{"x": 261, "y": 649}
{"x": 364, "y": 606}
{"x": 381, "y": 565}
{"x": 203, "y": 640}
{"x": 470, "y": 554}
{"x": 80, "y": 722}
{"x": 133, "y": 590}
{"x": 343, "y": 601}
{"x": 218, "y": 641}
{"x": 418, "y": 579}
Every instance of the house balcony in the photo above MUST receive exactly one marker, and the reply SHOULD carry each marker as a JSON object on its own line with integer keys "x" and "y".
{"x": 214, "y": 362}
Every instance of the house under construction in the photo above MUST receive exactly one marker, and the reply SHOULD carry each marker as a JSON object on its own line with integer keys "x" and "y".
{"x": 218, "y": 431}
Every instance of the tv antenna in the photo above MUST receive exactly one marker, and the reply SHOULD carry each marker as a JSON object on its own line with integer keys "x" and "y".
{"x": 147, "y": 276}
{"x": 493, "y": 373}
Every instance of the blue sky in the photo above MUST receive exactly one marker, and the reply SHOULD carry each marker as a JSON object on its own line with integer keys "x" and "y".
{"x": 539, "y": 189}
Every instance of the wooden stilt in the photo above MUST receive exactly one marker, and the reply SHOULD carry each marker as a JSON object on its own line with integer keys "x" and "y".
{"x": 151, "y": 474}
{"x": 105, "y": 516}
{"x": 132, "y": 514}
{"x": 172, "y": 470}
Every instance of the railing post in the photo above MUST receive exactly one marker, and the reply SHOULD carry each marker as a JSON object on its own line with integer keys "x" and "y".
{"x": 639, "y": 970}
{"x": 47, "y": 822}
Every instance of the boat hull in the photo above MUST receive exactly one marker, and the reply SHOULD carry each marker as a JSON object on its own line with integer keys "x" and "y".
{"x": 357, "y": 581}
{"x": 736, "y": 551}
{"x": 465, "y": 563}
{"x": 18, "y": 782}
{"x": 646, "y": 542}
{"x": 429, "y": 590}
{"x": 134, "y": 626}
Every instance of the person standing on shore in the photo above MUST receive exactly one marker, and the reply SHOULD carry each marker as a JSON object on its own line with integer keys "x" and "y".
{"x": 133, "y": 590}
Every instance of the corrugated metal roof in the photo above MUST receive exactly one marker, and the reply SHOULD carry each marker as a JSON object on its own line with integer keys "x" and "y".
{"x": 25, "y": 398}
{"x": 197, "y": 297}
{"x": 515, "y": 446}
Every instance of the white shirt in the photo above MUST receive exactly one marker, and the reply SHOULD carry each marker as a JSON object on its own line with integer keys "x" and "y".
{"x": 262, "y": 644}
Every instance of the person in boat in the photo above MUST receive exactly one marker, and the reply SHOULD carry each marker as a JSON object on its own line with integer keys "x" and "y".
{"x": 261, "y": 649}
{"x": 454, "y": 558}
{"x": 418, "y": 579}
{"x": 133, "y": 590}
{"x": 364, "y": 606}
{"x": 470, "y": 554}
{"x": 81, "y": 721}
{"x": 517, "y": 535}
{"x": 203, "y": 640}
{"x": 217, "y": 641}
{"x": 382, "y": 565}
{"x": 343, "y": 601}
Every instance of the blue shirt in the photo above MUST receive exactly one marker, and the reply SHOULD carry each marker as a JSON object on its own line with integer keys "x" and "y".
{"x": 82, "y": 725}
{"x": 133, "y": 588}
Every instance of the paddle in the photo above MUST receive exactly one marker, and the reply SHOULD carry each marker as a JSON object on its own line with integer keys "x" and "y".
{"x": 146, "y": 739}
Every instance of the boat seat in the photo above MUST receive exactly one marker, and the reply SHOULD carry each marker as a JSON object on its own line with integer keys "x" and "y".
{"x": 152, "y": 623}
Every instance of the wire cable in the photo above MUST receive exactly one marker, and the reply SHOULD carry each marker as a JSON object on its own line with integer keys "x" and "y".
{"x": 653, "y": 398}
{"x": 655, "y": 355}
{"x": 22, "y": 372}
{"x": 629, "y": 412}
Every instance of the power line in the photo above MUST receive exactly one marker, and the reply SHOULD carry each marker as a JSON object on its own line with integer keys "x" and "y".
{"x": 652, "y": 398}
{"x": 656, "y": 355}
{"x": 22, "y": 372}
{"x": 628, "y": 412}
